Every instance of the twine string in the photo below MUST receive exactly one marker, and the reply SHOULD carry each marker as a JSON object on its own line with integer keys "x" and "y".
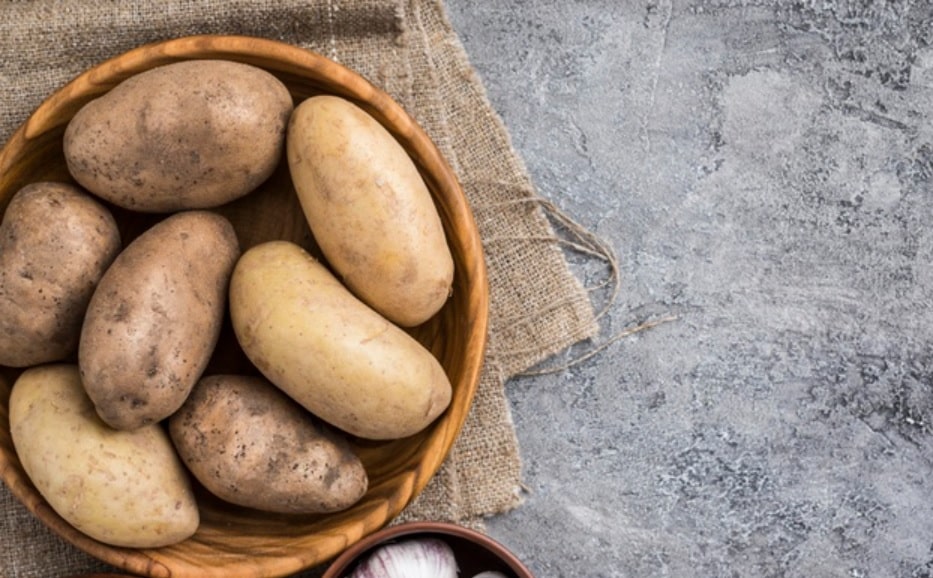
{"x": 585, "y": 242}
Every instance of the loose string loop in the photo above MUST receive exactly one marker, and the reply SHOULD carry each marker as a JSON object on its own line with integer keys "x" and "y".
{"x": 585, "y": 242}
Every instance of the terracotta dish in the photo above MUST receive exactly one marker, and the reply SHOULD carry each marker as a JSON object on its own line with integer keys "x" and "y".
{"x": 475, "y": 552}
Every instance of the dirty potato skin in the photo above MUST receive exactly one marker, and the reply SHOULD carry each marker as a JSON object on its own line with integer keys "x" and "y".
{"x": 369, "y": 210}
{"x": 251, "y": 445}
{"x": 56, "y": 241}
{"x": 122, "y": 488}
{"x": 187, "y": 135}
{"x": 155, "y": 318}
{"x": 328, "y": 351}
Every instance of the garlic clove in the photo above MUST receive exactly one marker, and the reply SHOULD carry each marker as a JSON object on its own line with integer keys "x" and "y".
{"x": 415, "y": 558}
{"x": 490, "y": 574}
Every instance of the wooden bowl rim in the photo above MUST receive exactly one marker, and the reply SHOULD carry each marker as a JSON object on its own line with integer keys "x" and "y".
{"x": 106, "y": 74}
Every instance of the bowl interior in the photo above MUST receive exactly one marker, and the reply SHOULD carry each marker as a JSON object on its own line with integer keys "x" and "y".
{"x": 234, "y": 540}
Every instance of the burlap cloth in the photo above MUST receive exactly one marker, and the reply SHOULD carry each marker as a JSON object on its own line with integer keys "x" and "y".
{"x": 409, "y": 49}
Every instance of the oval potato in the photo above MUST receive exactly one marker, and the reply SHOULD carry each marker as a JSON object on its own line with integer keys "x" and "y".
{"x": 56, "y": 241}
{"x": 334, "y": 355}
{"x": 155, "y": 317}
{"x": 369, "y": 209}
{"x": 251, "y": 445}
{"x": 122, "y": 488}
{"x": 187, "y": 135}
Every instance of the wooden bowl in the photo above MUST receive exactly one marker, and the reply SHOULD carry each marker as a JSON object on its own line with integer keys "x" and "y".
{"x": 474, "y": 552}
{"x": 234, "y": 541}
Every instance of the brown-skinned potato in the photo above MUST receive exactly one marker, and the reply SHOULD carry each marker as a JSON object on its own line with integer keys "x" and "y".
{"x": 251, "y": 445}
{"x": 56, "y": 241}
{"x": 187, "y": 135}
{"x": 155, "y": 317}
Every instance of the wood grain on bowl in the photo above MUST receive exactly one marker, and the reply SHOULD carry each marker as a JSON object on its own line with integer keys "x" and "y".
{"x": 239, "y": 541}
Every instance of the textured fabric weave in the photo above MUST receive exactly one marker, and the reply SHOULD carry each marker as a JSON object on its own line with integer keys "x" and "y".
{"x": 407, "y": 48}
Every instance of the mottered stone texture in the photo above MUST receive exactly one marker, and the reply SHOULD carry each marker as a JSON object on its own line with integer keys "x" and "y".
{"x": 764, "y": 171}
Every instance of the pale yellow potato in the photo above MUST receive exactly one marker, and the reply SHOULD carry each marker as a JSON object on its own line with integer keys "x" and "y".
{"x": 249, "y": 444}
{"x": 331, "y": 353}
{"x": 122, "y": 488}
{"x": 369, "y": 209}
{"x": 155, "y": 318}
{"x": 187, "y": 135}
{"x": 56, "y": 241}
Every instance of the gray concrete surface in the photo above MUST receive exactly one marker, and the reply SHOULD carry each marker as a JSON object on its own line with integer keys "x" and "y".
{"x": 763, "y": 170}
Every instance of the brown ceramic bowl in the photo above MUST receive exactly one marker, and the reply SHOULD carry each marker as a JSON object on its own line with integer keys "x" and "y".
{"x": 475, "y": 552}
{"x": 233, "y": 541}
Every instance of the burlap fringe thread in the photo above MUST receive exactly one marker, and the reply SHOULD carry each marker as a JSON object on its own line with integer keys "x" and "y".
{"x": 577, "y": 238}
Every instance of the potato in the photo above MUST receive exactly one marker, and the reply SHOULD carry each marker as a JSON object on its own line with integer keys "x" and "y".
{"x": 334, "y": 355}
{"x": 55, "y": 243}
{"x": 251, "y": 445}
{"x": 155, "y": 317}
{"x": 188, "y": 135}
{"x": 369, "y": 210}
{"x": 122, "y": 488}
